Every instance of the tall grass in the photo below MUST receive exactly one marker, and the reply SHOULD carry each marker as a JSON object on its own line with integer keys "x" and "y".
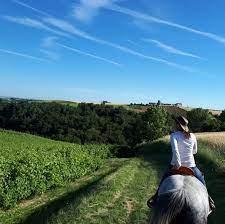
{"x": 212, "y": 163}
{"x": 215, "y": 140}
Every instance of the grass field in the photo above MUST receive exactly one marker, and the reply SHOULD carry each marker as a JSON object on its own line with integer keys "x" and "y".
{"x": 117, "y": 193}
{"x": 214, "y": 140}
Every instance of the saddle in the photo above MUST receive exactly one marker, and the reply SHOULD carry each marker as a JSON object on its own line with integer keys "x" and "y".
{"x": 182, "y": 171}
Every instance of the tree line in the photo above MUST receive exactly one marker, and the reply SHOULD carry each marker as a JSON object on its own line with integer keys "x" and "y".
{"x": 99, "y": 123}
{"x": 204, "y": 121}
{"x": 86, "y": 123}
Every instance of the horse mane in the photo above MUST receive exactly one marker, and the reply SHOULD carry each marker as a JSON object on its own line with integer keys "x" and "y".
{"x": 174, "y": 202}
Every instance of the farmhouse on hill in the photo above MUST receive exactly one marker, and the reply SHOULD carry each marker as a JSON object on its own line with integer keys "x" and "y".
{"x": 159, "y": 103}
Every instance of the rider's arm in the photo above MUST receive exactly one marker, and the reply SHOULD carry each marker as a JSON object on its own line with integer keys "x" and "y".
{"x": 176, "y": 156}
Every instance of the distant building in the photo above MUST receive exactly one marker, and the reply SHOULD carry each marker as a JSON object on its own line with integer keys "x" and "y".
{"x": 178, "y": 104}
{"x": 159, "y": 103}
{"x": 105, "y": 102}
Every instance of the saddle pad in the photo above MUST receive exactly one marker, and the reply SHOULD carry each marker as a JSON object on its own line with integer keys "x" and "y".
{"x": 183, "y": 171}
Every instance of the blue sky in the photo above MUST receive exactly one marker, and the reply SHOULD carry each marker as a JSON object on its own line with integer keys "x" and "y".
{"x": 122, "y": 51}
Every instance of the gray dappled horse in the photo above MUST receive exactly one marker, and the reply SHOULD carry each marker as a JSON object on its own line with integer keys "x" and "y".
{"x": 181, "y": 200}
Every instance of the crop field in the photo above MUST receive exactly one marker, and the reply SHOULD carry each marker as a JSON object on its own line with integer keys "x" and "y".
{"x": 118, "y": 191}
{"x": 32, "y": 165}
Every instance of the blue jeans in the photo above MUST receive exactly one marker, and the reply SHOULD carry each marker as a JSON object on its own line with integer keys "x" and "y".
{"x": 198, "y": 174}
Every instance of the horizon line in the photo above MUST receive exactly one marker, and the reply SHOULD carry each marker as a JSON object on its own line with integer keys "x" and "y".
{"x": 99, "y": 102}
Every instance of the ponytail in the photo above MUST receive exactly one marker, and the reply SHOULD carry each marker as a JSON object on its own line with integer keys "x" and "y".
{"x": 187, "y": 134}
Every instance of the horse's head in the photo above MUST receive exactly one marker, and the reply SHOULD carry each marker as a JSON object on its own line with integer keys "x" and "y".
{"x": 181, "y": 199}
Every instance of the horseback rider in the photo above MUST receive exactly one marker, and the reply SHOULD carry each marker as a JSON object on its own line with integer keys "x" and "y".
{"x": 184, "y": 145}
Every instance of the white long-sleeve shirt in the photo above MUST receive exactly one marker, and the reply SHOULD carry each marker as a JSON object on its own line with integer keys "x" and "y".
{"x": 183, "y": 149}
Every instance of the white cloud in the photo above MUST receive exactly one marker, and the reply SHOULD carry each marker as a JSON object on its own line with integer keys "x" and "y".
{"x": 48, "y": 42}
{"x": 69, "y": 28}
{"x": 108, "y": 4}
{"x": 50, "y": 54}
{"x": 22, "y": 55}
{"x": 87, "y": 9}
{"x": 138, "y": 15}
{"x": 34, "y": 24}
{"x": 141, "y": 24}
{"x": 170, "y": 49}
{"x": 89, "y": 55}
{"x": 30, "y": 7}
{"x": 140, "y": 55}
{"x": 65, "y": 26}
{"x": 49, "y": 48}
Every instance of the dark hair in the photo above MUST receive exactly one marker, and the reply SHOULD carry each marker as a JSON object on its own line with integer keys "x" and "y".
{"x": 187, "y": 134}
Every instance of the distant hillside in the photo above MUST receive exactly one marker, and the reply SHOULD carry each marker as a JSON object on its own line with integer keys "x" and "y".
{"x": 176, "y": 109}
{"x": 215, "y": 112}
{"x": 170, "y": 109}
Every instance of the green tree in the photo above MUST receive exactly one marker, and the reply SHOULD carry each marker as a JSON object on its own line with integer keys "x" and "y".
{"x": 156, "y": 123}
{"x": 222, "y": 116}
{"x": 202, "y": 120}
{"x": 134, "y": 131}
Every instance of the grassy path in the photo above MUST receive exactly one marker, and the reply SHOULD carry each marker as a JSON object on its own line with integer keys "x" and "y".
{"x": 123, "y": 198}
{"x": 118, "y": 198}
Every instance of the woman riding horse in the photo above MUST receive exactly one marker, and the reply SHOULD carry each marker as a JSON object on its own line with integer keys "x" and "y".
{"x": 184, "y": 145}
